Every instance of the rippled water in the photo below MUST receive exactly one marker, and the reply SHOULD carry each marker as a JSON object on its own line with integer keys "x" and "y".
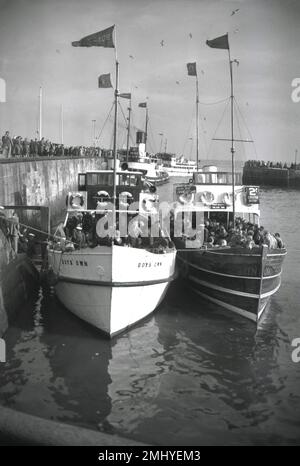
{"x": 189, "y": 375}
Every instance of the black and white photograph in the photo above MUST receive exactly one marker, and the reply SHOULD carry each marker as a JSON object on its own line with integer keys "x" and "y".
{"x": 149, "y": 225}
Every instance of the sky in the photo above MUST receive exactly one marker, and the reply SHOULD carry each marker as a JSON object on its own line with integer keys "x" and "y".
{"x": 35, "y": 50}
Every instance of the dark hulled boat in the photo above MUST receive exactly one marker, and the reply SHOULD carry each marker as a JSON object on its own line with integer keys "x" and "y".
{"x": 240, "y": 279}
{"x": 237, "y": 279}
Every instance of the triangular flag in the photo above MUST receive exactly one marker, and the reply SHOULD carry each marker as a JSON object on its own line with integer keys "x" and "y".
{"x": 125, "y": 95}
{"x": 98, "y": 39}
{"x": 191, "y": 69}
{"x": 104, "y": 80}
{"x": 219, "y": 42}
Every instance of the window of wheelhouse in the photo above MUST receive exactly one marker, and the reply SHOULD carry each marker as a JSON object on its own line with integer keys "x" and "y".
{"x": 82, "y": 182}
{"x": 128, "y": 179}
{"x": 96, "y": 179}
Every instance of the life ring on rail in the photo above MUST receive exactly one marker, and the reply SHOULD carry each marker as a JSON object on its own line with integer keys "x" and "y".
{"x": 129, "y": 199}
{"x": 186, "y": 198}
{"x": 72, "y": 200}
{"x": 147, "y": 206}
{"x": 102, "y": 199}
{"x": 207, "y": 197}
{"x": 227, "y": 199}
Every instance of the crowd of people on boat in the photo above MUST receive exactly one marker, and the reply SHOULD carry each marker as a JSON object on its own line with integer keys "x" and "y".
{"x": 239, "y": 234}
{"x": 80, "y": 231}
{"x": 263, "y": 164}
{"x": 19, "y": 147}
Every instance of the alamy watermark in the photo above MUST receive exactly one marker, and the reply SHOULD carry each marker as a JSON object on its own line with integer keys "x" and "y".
{"x": 296, "y": 352}
{"x": 2, "y": 350}
{"x": 295, "y": 95}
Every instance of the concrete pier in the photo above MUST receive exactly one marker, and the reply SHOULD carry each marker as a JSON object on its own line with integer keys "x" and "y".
{"x": 42, "y": 181}
{"x": 266, "y": 176}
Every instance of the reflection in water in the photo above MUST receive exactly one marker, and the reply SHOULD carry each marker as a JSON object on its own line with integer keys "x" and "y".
{"x": 191, "y": 374}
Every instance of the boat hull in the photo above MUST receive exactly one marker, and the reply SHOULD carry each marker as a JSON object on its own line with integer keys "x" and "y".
{"x": 237, "y": 279}
{"x": 114, "y": 287}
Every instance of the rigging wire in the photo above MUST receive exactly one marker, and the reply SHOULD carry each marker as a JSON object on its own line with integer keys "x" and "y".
{"x": 214, "y": 103}
{"x": 107, "y": 118}
{"x": 221, "y": 119}
{"x": 246, "y": 126}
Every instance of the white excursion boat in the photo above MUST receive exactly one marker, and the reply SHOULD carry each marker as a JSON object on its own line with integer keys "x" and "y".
{"x": 112, "y": 283}
{"x": 108, "y": 269}
{"x": 137, "y": 160}
{"x": 175, "y": 166}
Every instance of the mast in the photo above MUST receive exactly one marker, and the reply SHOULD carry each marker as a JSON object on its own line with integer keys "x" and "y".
{"x": 62, "y": 123}
{"x": 197, "y": 122}
{"x": 232, "y": 138}
{"x": 115, "y": 135}
{"x": 146, "y": 127}
{"x": 40, "y": 112}
{"x": 128, "y": 130}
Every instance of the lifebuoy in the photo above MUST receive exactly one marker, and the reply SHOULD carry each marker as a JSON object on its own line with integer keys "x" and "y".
{"x": 186, "y": 198}
{"x": 227, "y": 199}
{"x": 207, "y": 197}
{"x": 129, "y": 199}
{"x": 103, "y": 201}
{"x": 147, "y": 206}
{"x": 72, "y": 199}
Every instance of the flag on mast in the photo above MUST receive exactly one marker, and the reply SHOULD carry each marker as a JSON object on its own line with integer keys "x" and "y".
{"x": 125, "y": 95}
{"x": 104, "y": 80}
{"x": 219, "y": 42}
{"x": 98, "y": 39}
{"x": 143, "y": 104}
{"x": 191, "y": 69}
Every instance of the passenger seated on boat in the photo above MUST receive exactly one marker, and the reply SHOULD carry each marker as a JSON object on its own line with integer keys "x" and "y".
{"x": 259, "y": 235}
{"x": 249, "y": 243}
{"x": 237, "y": 239}
{"x": 280, "y": 244}
{"x": 270, "y": 240}
{"x": 221, "y": 234}
{"x": 117, "y": 239}
{"x": 135, "y": 233}
{"x": 222, "y": 243}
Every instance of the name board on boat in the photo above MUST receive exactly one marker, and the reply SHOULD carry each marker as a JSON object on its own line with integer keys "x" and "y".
{"x": 252, "y": 194}
{"x": 218, "y": 206}
{"x": 187, "y": 189}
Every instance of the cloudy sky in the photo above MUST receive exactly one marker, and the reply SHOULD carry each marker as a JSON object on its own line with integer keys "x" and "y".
{"x": 35, "y": 50}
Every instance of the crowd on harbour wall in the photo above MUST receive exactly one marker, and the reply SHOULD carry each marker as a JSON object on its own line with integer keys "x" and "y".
{"x": 263, "y": 164}
{"x": 24, "y": 147}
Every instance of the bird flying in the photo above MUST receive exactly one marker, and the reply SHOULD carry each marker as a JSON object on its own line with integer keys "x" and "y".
{"x": 162, "y": 43}
{"x": 190, "y": 35}
{"x": 234, "y": 12}
{"x": 131, "y": 56}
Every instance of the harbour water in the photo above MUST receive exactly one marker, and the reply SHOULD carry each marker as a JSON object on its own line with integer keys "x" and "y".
{"x": 190, "y": 374}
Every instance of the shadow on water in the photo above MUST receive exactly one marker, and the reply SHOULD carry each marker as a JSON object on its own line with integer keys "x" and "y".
{"x": 190, "y": 374}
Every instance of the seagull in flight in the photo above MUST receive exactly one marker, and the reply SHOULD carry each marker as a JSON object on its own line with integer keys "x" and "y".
{"x": 162, "y": 43}
{"x": 190, "y": 35}
{"x": 177, "y": 82}
{"x": 234, "y": 11}
{"x": 235, "y": 31}
{"x": 131, "y": 56}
